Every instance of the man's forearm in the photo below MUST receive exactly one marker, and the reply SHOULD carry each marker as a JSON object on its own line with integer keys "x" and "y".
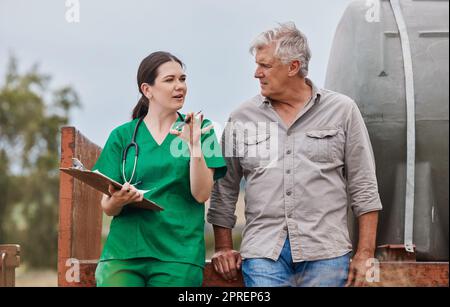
{"x": 367, "y": 232}
{"x": 223, "y": 238}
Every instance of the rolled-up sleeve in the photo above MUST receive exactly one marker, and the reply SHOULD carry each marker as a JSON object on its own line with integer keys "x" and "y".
{"x": 225, "y": 193}
{"x": 360, "y": 166}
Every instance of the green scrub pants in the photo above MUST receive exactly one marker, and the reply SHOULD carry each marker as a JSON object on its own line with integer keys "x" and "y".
{"x": 147, "y": 272}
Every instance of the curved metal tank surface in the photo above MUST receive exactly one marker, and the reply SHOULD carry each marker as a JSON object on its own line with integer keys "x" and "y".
{"x": 367, "y": 64}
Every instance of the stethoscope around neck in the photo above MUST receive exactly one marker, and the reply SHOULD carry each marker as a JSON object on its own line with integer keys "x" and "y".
{"x": 136, "y": 149}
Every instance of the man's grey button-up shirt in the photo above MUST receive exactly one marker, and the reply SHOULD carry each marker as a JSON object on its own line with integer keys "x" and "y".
{"x": 301, "y": 189}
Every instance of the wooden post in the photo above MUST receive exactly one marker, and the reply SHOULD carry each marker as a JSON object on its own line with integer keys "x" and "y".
{"x": 80, "y": 214}
{"x": 9, "y": 261}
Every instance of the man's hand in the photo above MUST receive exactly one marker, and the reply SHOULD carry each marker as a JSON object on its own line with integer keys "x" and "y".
{"x": 358, "y": 269}
{"x": 227, "y": 262}
{"x": 366, "y": 249}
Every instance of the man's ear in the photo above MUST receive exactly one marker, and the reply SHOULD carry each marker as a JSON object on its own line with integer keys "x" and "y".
{"x": 294, "y": 68}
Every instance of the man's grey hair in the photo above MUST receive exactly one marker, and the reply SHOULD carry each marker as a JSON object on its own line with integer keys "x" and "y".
{"x": 291, "y": 45}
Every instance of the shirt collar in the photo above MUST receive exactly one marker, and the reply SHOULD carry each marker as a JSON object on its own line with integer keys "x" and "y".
{"x": 316, "y": 95}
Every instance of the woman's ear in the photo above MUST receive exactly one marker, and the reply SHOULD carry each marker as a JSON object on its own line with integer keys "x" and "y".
{"x": 294, "y": 68}
{"x": 146, "y": 90}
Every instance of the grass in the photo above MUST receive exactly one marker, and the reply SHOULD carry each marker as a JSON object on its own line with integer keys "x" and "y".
{"x": 26, "y": 277}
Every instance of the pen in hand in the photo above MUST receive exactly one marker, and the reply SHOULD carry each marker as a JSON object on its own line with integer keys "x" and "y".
{"x": 186, "y": 121}
{"x": 134, "y": 185}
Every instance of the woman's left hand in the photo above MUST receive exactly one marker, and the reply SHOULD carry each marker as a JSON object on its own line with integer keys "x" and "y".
{"x": 191, "y": 133}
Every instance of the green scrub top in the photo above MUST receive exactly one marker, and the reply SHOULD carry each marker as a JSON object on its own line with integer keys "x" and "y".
{"x": 175, "y": 234}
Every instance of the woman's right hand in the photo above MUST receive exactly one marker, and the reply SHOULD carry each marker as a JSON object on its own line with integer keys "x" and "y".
{"x": 128, "y": 194}
{"x": 112, "y": 205}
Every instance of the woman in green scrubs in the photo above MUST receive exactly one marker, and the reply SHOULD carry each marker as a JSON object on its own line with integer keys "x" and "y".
{"x": 177, "y": 166}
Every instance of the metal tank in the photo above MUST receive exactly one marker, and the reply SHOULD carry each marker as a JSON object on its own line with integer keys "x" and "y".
{"x": 392, "y": 58}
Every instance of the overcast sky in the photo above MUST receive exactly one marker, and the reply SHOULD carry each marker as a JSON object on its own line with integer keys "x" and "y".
{"x": 99, "y": 55}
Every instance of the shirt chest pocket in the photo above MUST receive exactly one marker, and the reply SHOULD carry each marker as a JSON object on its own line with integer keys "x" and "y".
{"x": 321, "y": 145}
{"x": 256, "y": 150}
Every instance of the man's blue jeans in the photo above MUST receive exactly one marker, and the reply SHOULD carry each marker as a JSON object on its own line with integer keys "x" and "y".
{"x": 263, "y": 272}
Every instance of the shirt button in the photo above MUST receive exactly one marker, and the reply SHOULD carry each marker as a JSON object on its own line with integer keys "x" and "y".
{"x": 288, "y": 193}
{"x": 288, "y": 171}
{"x": 289, "y": 133}
{"x": 288, "y": 152}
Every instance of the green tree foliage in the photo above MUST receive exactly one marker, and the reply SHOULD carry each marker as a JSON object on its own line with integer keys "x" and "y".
{"x": 31, "y": 115}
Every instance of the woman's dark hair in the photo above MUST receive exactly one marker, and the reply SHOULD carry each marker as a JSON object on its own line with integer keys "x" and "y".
{"x": 147, "y": 73}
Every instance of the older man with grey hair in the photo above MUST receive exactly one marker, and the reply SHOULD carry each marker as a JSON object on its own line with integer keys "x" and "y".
{"x": 296, "y": 200}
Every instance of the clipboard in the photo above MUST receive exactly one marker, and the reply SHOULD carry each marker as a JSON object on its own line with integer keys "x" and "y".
{"x": 101, "y": 183}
